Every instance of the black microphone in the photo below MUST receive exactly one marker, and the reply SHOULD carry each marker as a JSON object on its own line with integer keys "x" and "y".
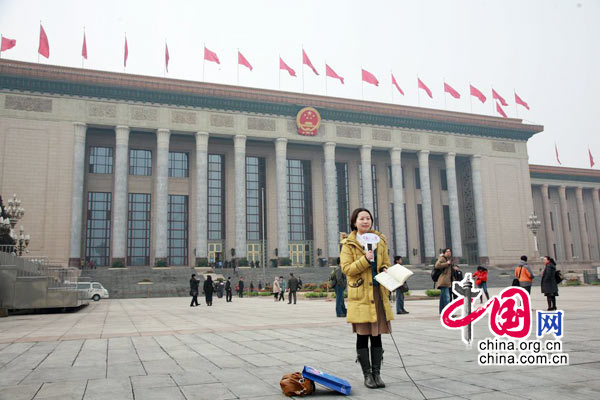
{"x": 369, "y": 246}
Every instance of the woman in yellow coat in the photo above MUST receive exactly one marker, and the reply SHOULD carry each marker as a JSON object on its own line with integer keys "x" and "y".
{"x": 369, "y": 309}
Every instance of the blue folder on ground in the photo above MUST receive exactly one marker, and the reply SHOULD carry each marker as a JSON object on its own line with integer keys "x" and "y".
{"x": 329, "y": 381}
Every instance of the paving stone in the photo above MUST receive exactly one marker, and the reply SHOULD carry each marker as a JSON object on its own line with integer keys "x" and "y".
{"x": 19, "y": 392}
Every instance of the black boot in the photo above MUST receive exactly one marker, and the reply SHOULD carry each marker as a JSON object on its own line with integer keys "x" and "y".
{"x": 376, "y": 359}
{"x": 363, "y": 358}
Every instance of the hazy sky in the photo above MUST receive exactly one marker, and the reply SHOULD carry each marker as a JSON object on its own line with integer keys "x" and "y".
{"x": 546, "y": 50}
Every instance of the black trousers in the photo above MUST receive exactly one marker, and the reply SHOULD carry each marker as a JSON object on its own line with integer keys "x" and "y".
{"x": 228, "y": 296}
{"x": 194, "y": 301}
{"x": 292, "y": 293}
{"x": 208, "y": 298}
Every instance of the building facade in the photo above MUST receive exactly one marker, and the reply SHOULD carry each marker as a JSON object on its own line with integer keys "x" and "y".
{"x": 118, "y": 168}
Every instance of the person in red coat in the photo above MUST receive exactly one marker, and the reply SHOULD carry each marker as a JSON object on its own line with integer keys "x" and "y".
{"x": 481, "y": 280}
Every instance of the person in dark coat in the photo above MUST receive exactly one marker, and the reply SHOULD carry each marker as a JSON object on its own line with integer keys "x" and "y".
{"x": 208, "y": 290}
{"x": 228, "y": 290}
{"x": 241, "y": 287}
{"x": 293, "y": 288}
{"x": 549, "y": 285}
{"x": 194, "y": 290}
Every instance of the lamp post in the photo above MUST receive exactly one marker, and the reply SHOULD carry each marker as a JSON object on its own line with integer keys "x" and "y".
{"x": 533, "y": 223}
{"x": 21, "y": 242}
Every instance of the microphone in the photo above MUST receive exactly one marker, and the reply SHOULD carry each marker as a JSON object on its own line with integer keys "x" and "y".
{"x": 369, "y": 246}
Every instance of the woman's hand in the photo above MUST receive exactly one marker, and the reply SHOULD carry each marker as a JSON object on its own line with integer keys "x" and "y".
{"x": 369, "y": 255}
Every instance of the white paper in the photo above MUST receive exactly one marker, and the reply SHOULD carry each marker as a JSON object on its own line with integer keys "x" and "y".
{"x": 394, "y": 277}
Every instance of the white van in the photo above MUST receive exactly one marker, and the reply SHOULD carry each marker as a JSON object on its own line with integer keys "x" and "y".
{"x": 92, "y": 290}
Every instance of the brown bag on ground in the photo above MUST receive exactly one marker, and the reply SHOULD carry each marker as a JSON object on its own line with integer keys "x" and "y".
{"x": 295, "y": 384}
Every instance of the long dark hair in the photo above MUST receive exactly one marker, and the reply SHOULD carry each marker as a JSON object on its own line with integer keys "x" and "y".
{"x": 354, "y": 217}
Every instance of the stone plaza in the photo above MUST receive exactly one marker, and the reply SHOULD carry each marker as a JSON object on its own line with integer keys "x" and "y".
{"x": 160, "y": 348}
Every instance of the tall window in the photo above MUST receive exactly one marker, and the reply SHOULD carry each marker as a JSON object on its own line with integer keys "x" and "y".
{"x": 299, "y": 200}
{"x": 178, "y": 230}
{"x": 421, "y": 232}
{"x": 216, "y": 197}
{"x": 447, "y": 230}
{"x": 178, "y": 165}
{"x": 389, "y": 176}
{"x": 375, "y": 210}
{"x": 417, "y": 178}
{"x": 342, "y": 196}
{"x": 140, "y": 162}
{"x": 101, "y": 160}
{"x": 255, "y": 183}
{"x": 97, "y": 238}
{"x": 444, "y": 179}
{"x": 138, "y": 229}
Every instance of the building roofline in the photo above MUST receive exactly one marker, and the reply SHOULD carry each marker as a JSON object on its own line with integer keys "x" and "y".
{"x": 563, "y": 173}
{"x": 19, "y": 75}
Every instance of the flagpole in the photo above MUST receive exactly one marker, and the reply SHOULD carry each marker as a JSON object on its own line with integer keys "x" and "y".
{"x": 470, "y": 98}
{"x": 325, "y": 77}
{"x": 165, "y": 66}
{"x": 203, "y": 60}
{"x": 86, "y": 47}
{"x": 445, "y": 103}
{"x": 392, "y": 87}
{"x": 302, "y": 66}
{"x": 38, "y": 42}
{"x": 516, "y": 109}
{"x": 1, "y": 36}
{"x": 418, "y": 92}
{"x": 362, "y": 85}
{"x": 238, "y": 67}
{"x": 279, "y": 71}
{"x": 125, "y": 63}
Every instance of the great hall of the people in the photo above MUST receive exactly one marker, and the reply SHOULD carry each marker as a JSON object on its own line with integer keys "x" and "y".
{"x": 139, "y": 170}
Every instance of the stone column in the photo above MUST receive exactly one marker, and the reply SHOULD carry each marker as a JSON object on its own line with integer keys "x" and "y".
{"x": 399, "y": 223}
{"x": 450, "y": 159}
{"x": 567, "y": 239}
{"x": 426, "y": 204}
{"x": 331, "y": 205}
{"x": 119, "y": 236}
{"x": 479, "y": 211}
{"x": 239, "y": 144}
{"x": 162, "y": 195}
{"x": 367, "y": 182}
{"x": 282, "y": 201}
{"x": 201, "y": 197}
{"x": 77, "y": 194}
{"x": 547, "y": 221}
{"x": 596, "y": 202}
{"x": 583, "y": 233}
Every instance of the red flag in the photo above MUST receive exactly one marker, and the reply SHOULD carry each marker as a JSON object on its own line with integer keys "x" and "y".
{"x": 211, "y": 56}
{"x": 331, "y": 73}
{"x": 475, "y": 92}
{"x": 396, "y": 84}
{"x": 424, "y": 87}
{"x": 496, "y": 96}
{"x": 556, "y": 153}
{"x": 500, "y": 110}
{"x": 450, "y": 89}
{"x": 592, "y": 163}
{"x": 126, "y": 53}
{"x": 44, "y": 47}
{"x": 283, "y": 65}
{"x": 166, "y": 57}
{"x": 242, "y": 61}
{"x": 306, "y": 61}
{"x": 369, "y": 78}
{"x": 7, "y": 43}
{"x": 520, "y": 101}
{"x": 84, "y": 48}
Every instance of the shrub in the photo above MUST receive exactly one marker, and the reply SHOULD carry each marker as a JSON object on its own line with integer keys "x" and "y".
{"x": 202, "y": 262}
{"x": 315, "y": 294}
{"x": 161, "y": 263}
{"x": 252, "y": 294}
{"x": 324, "y": 285}
{"x": 433, "y": 292}
{"x": 572, "y": 282}
{"x": 285, "y": 261}
{"x": 118, "y": 264}
{"x": 243, "y": 262}
{"x": 595, "y": 283}
{"x": 267, "y": 293}
{"x": 309, "y": 286}
{"x": 317, "y": 290}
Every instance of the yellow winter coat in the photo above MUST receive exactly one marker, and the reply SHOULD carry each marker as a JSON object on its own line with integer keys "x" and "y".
{"x": 356, "y": 267}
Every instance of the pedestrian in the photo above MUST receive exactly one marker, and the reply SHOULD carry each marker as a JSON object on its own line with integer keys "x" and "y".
{"x": 257, "y": 264}
{"x": 260, "y": 286}
{"x": 400, "y": 291}
{"x": 524, "y": 274}
{"x": 241, "y": 287}
{"x": 338, "y": 283}
{"x": 444, "y": 281}
{"x": 228, "y": 290}
{"x": 220, "y": 264}
{"x": 282, "y": 287}
{"x": 549, "y": 285}
{"x": 194, "y": 290}
{"x": 481, "y": 281}
{"x": 292, "y": 287}
{"x": 251, "y": 286}
{"x": 369, "y": 309}
{"x": 92, "y": 264}
{"x": 208, "y": 290}
{"x": 299, "y": 282}
{"x": 220, "y": 285}
{"x": 276, "y": 288}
